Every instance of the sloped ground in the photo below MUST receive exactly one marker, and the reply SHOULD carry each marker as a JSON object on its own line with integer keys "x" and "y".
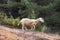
{"x": 5, "y": 35}
{"x": 17, "y": 34}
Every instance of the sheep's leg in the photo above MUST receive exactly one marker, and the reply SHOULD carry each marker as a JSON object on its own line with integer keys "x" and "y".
{"x": 23, "y": 27}
{"x": 34, "y": 27}
{"x": 31, "y": 28}
{"x": 26, "y": 28}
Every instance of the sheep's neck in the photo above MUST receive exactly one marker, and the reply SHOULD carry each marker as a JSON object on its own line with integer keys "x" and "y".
{"x": 37, "y": 21}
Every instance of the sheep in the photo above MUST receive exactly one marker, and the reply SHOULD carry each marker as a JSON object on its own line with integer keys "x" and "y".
{"x": 30, "y": 22}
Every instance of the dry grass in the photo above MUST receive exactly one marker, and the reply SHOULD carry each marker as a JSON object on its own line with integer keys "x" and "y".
{"x": 16, "y": 34}
{"x": 5, "y": 35}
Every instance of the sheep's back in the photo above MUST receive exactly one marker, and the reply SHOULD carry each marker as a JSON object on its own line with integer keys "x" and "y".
{"x": 25, "y": 21}
{"x": 28, "y": 22}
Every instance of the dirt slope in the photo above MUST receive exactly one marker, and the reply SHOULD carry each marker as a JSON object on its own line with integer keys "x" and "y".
{"x": 5, "y": 35}
{"x": 17, "y": 34}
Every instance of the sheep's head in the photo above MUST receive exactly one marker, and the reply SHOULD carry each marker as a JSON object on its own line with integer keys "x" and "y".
{"x": 41, "y": 20}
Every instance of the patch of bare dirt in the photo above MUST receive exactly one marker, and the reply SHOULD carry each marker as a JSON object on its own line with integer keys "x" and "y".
{"x": 17, "y": 34}
{"x": 5, "y": 35}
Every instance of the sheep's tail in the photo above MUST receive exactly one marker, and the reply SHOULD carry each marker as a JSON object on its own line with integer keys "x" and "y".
{"x": 19, "y": 23}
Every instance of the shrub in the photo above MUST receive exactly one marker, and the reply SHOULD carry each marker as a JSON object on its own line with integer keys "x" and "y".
{"x": 39, "y": 27}
{"x": 2, "y": 15}
{"x": 15, "y": 21}
{"x": 53, "y": 22}
{"x": 11, "y": 21}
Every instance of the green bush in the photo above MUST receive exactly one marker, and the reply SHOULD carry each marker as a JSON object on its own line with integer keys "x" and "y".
{"x": 53, "y": 22}
{"x": 39, "y": 27}
{"x": 2, "y": 15}
{"x": 5, "y": 20}
{"x": 11, "y": 21}
{"x": 15, "y": 21}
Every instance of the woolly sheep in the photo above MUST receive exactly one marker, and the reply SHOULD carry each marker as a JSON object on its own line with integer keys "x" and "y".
{"x": 30, "y": 22}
